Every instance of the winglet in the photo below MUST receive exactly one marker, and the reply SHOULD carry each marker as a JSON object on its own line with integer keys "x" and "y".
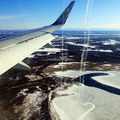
{"x": 63, "y": 17}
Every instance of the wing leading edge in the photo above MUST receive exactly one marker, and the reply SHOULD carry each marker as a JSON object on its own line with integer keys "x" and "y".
{"x": 15, "y": 49}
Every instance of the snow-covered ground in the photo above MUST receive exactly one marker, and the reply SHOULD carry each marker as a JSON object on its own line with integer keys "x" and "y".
{"x": 49, "y": 50}
{"x": 110, "y": 42}
{"x": 84, "y": 45}
{"x": 61, "y": 64}
{"x": 113, "y": 79}
{"x": 68, "y": 106}
{"x": 31, "y": 103}
{"x": 73, "y": 73}
{"x": 74, "y": 37}
{"x": 80, "y": 102}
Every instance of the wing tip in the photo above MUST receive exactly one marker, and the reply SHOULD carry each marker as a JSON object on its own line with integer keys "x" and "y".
{"x": 63, "y": 17}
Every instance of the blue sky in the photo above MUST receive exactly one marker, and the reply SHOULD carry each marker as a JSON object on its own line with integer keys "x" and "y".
{"x": 28, "y": 14}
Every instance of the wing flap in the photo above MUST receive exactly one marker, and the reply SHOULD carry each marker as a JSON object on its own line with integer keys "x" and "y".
{"x": 22, "y": 66}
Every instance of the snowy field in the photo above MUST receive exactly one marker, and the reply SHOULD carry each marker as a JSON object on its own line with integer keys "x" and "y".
{"x": 62, "y": 64}
{"x": 80, "y": 102}
{"x": 72, "y": 73}
{"x": 113, "y": 79}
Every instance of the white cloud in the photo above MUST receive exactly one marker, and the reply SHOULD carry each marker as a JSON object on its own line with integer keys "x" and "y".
{"x": 108, "y": 26}
{"x": 5, "y": 17}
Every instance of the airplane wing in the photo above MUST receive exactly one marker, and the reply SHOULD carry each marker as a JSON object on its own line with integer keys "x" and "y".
{"x": 13, "y": 50}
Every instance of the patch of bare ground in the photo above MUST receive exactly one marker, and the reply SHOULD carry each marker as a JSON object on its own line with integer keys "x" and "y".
{"x": 18, "y": 88}
{"x": 89, "y": 66}
{"x": 24, "y": 95}
{"x": 7, "y": 94}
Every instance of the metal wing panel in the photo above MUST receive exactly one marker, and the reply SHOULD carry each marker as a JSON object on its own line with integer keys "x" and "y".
{"x": 13, "y": 55}
{"x": 15, "y": 49}
{"x": 31, "y": 34}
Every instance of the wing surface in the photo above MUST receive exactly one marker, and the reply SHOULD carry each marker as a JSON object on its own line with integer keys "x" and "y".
{"x": 13, "y": 50}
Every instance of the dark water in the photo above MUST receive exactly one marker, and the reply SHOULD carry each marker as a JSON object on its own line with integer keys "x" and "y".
{"x": 88, "y": 81}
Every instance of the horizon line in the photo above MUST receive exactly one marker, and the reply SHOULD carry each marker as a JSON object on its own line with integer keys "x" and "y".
{"x": 95, "y": 29}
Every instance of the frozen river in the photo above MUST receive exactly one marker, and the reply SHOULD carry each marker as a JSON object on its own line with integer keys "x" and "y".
{"x": 89, "y": 102}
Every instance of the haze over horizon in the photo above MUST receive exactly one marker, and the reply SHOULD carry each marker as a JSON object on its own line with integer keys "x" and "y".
{"x": 21, "y": 14}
